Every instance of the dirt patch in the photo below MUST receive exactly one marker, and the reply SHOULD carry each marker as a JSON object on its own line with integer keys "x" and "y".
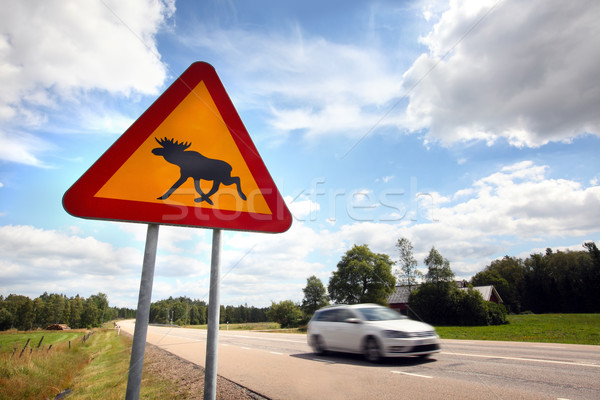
{"x": 189, "y": 377}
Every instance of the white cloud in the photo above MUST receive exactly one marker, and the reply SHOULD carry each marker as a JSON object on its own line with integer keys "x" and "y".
{"x": 170, "y": 238}
{"x": 313, "y": 86}
{"x": 36, "y": 260}
{"x": 66, "y": 52}
{"x": 55, "y": 51}
{"x": 522, "y": 71}
{"x": 37, "y": 248}
{"x": 22, "y": 147}
{"x": 301, "y": 209}
{"x": 181, "y": 266}
{"x": 517, "y": 204}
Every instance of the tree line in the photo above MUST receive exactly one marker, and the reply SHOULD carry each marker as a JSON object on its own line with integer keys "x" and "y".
{"x": 185, "y": 311}
{"x": 554, "y": 282}
{"x": 21, "y": 313}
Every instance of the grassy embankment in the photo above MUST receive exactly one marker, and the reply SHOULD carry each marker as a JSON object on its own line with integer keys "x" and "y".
{"x": 546, "y": 328}
{"x": 94, "y": 369}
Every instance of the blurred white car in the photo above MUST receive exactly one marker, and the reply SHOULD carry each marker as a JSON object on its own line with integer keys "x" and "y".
{"x": 372, "y": 330}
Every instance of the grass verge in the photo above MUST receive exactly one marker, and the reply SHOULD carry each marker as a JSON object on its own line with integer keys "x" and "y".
{"x": 105, "y": 376}
{"x": 37, "y": 373}
{"x": 96, "y": 369}
{"x": 543, "y": 328}
{"x": 249, "y": 326}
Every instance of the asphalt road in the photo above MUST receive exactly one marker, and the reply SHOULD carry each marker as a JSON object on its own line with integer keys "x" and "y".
{"x": 282, "y": 366}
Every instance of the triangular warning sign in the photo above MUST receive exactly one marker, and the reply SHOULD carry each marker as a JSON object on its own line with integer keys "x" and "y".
{"x": 188, "y": 160}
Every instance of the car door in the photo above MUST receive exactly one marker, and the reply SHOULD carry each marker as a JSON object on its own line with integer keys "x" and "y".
{"x": 328, "y": 328}
{"x": 349, "y": 332}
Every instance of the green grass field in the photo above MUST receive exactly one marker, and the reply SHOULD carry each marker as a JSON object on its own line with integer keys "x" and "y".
{"x": 11, "y": 339}
{"x": 546, "y": 328}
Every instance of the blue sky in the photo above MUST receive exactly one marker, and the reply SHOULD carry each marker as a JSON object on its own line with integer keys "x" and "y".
{"x": 471, "y": 126}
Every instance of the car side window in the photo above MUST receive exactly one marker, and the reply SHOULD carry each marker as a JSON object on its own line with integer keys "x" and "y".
{"x": 334, "y": 316}
{"x": 326, "y": 315}
{"x": 343, "y": 315}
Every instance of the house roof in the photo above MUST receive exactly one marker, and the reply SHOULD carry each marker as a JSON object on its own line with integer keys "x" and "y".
{"x": 487, "y": 292}
{"x": 401, "y": 294}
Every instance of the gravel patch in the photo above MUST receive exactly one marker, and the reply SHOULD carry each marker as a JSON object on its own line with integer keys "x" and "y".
{"x": 189, "y": 377}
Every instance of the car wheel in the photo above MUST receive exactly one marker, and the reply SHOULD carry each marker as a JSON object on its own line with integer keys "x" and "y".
{"x": 371, "y": 351}
{"x": 318, "y": 345}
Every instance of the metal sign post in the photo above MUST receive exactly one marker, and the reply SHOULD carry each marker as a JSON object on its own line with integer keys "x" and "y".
{"x": 212, "y": 340}
{"x": 136, "y": 363}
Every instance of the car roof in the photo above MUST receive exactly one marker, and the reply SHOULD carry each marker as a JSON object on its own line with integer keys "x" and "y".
{"x": 363, "y": 305}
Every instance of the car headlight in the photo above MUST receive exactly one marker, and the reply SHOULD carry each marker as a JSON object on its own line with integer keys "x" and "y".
{"x": 396, "y": 334}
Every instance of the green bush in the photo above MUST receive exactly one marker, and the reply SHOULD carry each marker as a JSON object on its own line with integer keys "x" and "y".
{"x": 286, "y": 313}
{"x": 496, "y": 313}
{"x": 470, "y": 308}
{"x": 444, "y": 304}
{"x": 433, "y": 303}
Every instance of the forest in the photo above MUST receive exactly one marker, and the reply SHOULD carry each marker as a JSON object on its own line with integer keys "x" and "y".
{"x": 185, "y": 311}
{"x": 22, "y": 313}
{"x": 554, "y": 282}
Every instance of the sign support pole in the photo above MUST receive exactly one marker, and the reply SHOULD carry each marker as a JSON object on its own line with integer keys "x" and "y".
{"x": 212, "y": 341}
{"x": 136, "y": 363}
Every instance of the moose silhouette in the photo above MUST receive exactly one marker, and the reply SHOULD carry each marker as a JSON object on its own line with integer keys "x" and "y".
{"x": 196, "y": 166}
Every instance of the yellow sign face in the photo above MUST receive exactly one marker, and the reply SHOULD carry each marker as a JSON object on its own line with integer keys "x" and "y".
{"x": 192, "y": 144}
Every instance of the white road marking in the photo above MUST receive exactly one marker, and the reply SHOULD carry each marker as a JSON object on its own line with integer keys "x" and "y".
{"x": 274, "y": 352}
{"x": 263, "y": 338}
{"x": 524, "y": 359}
{"x": 246, "y": 348}
{"x": 408, "y": 373}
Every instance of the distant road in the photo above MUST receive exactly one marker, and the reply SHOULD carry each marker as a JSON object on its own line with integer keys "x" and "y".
{"x": 282, "y": 366}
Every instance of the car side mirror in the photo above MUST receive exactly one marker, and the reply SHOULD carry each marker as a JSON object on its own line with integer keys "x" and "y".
{"x": 353, "y": 321}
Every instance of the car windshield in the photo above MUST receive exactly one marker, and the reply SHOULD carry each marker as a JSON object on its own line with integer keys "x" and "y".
{"x": 379, "y": 314}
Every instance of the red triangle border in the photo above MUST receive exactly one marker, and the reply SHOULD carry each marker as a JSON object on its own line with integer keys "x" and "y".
{"x": 79, "y": 200}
